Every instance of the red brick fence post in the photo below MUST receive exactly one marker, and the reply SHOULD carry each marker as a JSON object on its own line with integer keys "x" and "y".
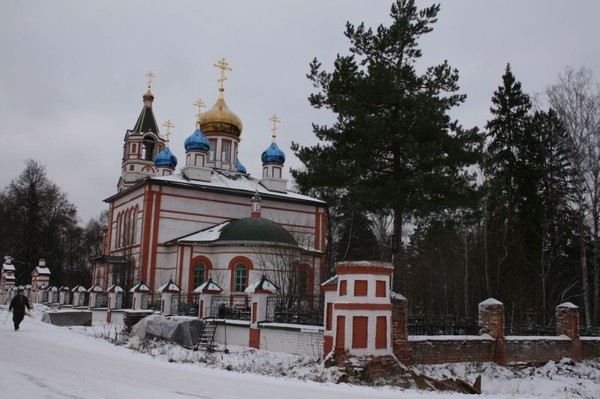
{"x": 491, "y": 320}
{"x": 567, "y": 323}
{"x": 400, "y": 328}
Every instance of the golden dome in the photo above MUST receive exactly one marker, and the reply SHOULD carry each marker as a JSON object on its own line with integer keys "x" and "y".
{"x": 220, "y": 119}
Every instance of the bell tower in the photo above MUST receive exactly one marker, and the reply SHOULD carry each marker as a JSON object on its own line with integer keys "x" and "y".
{"x": 141, "y": 144}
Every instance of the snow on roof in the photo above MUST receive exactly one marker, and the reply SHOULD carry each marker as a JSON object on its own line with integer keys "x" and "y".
{"x": 567, "y": 305}
{"x": 232, "y": 181}
{"x": 96, "y": 288}
{"x": 262, "y": 284}
{"x": 490, "y": 301}
{"x": 208, "y": 286}
{"x": 210, "y": 234}
{"x": 115, "y": 288}
{"x": 42, "y": 270}
{"x": 9, "y": 277}
{"x": 169, "y": 287}
{"x": 79, "y": 288}
{"x": 395, "y": 295}
{"x": 8, "y": 267}
{"x": 333, "y": 280}
{"x": 141, "y": 287}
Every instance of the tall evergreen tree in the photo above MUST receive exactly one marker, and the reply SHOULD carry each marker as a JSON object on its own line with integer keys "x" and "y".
{"x": 529, "y": 189}
{"x": 393, "y": 145}
{"x": 505, "y": 180}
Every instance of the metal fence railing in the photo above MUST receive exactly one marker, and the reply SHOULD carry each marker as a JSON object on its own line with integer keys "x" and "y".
{"x": 102, "y": 300}
{"x": 234, "y": 307}
{"x": 151, "y": 301}
{"x": 420, "y": 324}
{"x": 305, "y": 309}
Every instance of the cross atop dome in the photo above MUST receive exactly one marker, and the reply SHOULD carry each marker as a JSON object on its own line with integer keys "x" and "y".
{"x": 150, "y": 76}
{"x": 223, "y": 65}
{"x": 200, "y": 104}
{"x": 275, "y": 121}
{"x": 168, "y": 124}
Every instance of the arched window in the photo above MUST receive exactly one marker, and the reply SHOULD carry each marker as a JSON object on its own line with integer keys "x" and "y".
{"x": 211, "y": 149}
{"x": 302, "y": 282}
{"x": 226, "y": 151}
{"x": 149, "y": 148}
{"x": 199, "y": 274}
{"x": 240, "y": 278}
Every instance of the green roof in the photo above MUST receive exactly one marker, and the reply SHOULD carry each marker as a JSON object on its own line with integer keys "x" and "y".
{"x": 146, "y": 121}
{"x": 256, "y": 230}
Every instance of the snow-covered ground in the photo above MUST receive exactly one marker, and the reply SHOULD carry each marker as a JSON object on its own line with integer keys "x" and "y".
{"x": 46, "y": 361}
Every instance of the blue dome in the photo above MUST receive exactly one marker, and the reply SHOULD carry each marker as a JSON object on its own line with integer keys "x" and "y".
{"x": 273, "y": 155}
{"x": 165, "y": 158}
{"x": 197, "y": 141}
{"x": 241, "y": 168}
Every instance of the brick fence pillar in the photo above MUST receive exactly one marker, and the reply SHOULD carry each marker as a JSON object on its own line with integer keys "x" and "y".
{"x": 567, "y": 323}
{"x": 491, "y": 321}
{"x": 400, "y": 328}
{"x": 259, "y": 293}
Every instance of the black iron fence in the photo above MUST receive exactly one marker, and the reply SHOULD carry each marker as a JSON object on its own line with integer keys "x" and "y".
{"x": 530, "y": 330}
{"x": 234, "y": 307}
{"x": 590, "y": 332}
{"x": 420, "y": 324}
{"x": 151, "y": 302}
{"x": 102, "y": 300}
{"x": 304, "y": 309}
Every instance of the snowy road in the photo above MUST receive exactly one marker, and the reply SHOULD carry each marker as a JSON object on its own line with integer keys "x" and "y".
{"x": 49, "y": 362}
{"x": 44, "y": 361}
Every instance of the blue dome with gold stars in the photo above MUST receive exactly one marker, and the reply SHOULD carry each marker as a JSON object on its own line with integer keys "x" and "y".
{"x": 165, "y": 158}
{"x": 196, "y": 142}
{"x": 273, "y": 155}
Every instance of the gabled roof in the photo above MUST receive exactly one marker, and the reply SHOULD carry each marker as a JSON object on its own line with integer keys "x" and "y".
{"x": 42, "y": 271}
{"x": 169, "y": 287}
{"x": 208, "y": 286}
{"x": 140, "y": 287}
{"x": 8, "y": 267}
{"x": 115, "y": 288}
{"x": 96, "y": 288}
{"x": 264, "y": 284}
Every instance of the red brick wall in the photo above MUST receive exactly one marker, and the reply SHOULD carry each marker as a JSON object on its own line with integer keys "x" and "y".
{"x": 380, "y": 289}
{"x": 536, "y": 351}
{"x": 451, "y": 351}
{"x": 254, "y": 339}
{"x": 590, "y": 348}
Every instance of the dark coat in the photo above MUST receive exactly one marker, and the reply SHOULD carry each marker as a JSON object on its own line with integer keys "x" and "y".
{"x": 17, "y": 305}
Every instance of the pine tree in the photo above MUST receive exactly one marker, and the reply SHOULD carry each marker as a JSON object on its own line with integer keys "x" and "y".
{"x": 393, "y": 145}
{"x": 506, "y": 181}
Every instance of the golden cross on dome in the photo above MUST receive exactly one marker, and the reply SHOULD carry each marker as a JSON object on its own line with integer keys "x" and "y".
{"x": 223, "y": 65}
{"x": 168, "y": 124}
{"x": 275, "y": 121}
{"x": 200, "y": 104}
{"x": 150, "y": 76}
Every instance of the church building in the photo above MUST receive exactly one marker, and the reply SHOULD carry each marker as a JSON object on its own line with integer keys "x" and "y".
{"x": 209, "y": 219}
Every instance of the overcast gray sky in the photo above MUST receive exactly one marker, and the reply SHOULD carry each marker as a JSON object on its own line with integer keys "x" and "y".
{"x": 72, "y": 72}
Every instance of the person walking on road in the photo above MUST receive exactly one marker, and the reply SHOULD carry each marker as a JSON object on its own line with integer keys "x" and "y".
{"x": 18, "y": 305}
